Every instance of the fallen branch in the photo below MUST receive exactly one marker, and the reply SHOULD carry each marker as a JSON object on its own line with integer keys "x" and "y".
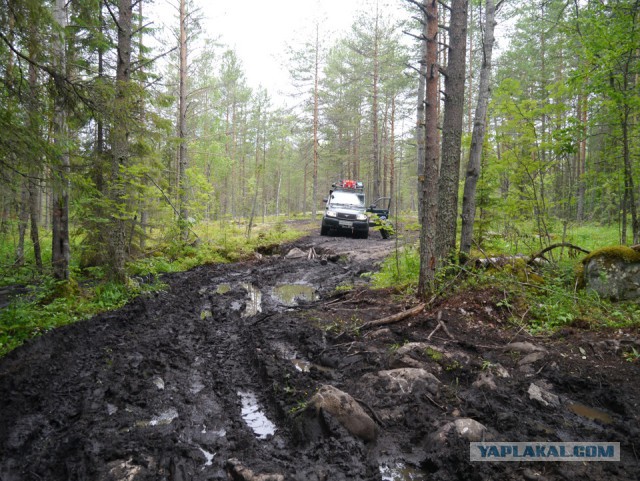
{"x": 554, "y": 246}
{"x": 395, "y": 317}
{"x": 440, "y": 325}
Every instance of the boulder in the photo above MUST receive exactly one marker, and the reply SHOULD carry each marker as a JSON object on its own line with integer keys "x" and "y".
{"x": 613, "y": 272}
{"x": 406, "y": 380}
{"x": 344, "y": 409}
{"x": 464, "y": 428}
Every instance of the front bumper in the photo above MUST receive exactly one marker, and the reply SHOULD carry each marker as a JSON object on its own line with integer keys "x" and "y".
{"x": 341, "y": 224}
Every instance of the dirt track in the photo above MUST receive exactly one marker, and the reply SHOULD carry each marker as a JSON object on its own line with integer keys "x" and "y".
{"x": 211, "y": 380}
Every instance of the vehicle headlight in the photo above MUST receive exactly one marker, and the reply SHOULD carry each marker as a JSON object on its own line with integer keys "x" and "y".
{"x": 331, "y": 213}
{"x": 361, "y": 217}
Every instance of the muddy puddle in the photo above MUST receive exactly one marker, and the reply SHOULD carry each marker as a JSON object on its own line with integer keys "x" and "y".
{"x": 401, "y": 472}
{"x": 590, "y": 413}
{"x": 292, "y": 294}
{"x": 253, "y": 415}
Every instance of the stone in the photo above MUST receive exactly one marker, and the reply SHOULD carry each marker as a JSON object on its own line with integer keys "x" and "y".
{"x": 346, "y": 410}
{"x": 613, "y": 272}
{"x": 406, "y": 380}
{"x": 296, "y": 253}
{"x": 524, "y": 347}
{"x": 485, "y": 380}
{"x": 465, "y": 428}
{"x": 532, "y": 357}
{"x": 543, "y": 396}
{"x": 238, "y": 472}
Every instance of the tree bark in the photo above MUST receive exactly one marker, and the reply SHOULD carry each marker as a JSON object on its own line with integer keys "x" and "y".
{"x": 316, "y": 121}
{"x": 452, "y": 130}
{"x": 60, "y": 251}
{"x": 477, "y": 137}
{"x": 374, "y": 110}
{"x": 429, "y": 178}
{"x": 420, "y": 126}
{"x": 120, "y": 145}
{"x": 182, "y": 127}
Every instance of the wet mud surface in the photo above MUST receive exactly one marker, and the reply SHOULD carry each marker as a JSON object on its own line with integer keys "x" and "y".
{"x": 257, "y": 371}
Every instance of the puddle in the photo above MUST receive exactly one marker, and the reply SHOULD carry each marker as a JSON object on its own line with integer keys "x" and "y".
{"x": 401, "y": 472}
{"x": 165, "y": 417}
{"x": 590, "y": 413}
{"x": 303, "y": 365}
{"x": 254, "y": 417}
{"x": 254, "y": 304}
{"x": 289, "y": 294}
{"x": 223, "y": 288}
{"x": 208, "y": 457}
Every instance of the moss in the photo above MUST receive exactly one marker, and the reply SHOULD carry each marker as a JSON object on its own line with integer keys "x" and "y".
{"x": 614, "y": 253}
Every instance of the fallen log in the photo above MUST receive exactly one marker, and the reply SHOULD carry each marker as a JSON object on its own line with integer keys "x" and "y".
{"x": 395, "y": 317}
{"x": 537, "y": 255}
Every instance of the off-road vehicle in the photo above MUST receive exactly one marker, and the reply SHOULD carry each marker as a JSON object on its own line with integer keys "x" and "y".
{"x": 345, "y": 210}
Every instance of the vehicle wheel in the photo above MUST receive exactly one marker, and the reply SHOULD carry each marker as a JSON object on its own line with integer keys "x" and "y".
{"x": 324, "y": 230}
{"x": 364, "y": 234}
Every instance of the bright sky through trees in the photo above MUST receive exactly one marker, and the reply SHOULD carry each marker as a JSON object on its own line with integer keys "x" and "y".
{"x": 259, "y": 31}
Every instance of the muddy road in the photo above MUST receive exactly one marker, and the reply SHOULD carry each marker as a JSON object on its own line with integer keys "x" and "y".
{"x": 259, "y": 371}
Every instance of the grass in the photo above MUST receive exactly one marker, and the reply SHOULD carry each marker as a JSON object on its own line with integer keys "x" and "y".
{"x": 49, "y": 304}
{"x": 540, "y": 300}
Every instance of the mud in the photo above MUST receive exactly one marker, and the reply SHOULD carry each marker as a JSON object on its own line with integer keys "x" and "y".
{"x": 211, "y": 380}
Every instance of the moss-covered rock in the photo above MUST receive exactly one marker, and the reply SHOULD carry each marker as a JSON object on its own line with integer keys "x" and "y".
{"x": 613, "y": 272}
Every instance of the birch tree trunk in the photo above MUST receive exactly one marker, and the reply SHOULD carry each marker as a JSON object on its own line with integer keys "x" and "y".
{"x": 479, "y": 129}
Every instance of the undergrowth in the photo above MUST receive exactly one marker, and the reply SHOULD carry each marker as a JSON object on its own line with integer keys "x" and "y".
{"x": 543, "y": 299}
{"x": 43, "y": 303}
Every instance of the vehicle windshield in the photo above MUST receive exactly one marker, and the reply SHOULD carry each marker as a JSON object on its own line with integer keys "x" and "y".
{"x": 349, "y": 199}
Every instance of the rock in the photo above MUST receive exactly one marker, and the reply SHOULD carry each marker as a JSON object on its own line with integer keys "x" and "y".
{"x": 485, "y": 380}
{"x": 346, "y": 410}
{"x": 544, "y": 397}
{"x": 465, "y": 428}
{"x": 296, "y": 253}
{"x": 532, "y": 357}
{"x": 406, "y": 380}
{"x": 238, "y": 472}
{"x": 524, "y": 347}
{"x": 613, "y": 272}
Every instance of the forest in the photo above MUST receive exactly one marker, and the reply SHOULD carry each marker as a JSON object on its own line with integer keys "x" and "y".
{"x": 127, "y": 151}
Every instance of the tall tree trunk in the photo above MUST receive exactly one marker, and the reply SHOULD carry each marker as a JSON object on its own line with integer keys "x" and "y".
{"x": 60, "y": 252}
{"x": 316, "y": 121}
{"x": 429, "y": 178}
{"x": 120, "y": 145}
{"x": 23, "y": 218}
{"x": 182, "y": 127}
{"x": 374, "y": 110}
{"x": 392, "y": 150}
{"x": 628, "y": 173}
{"x": 477, "y": 137}
{"x": 452, "y": 130}
{"x": 582, "y": 158}
{"x": 420, "y": 126}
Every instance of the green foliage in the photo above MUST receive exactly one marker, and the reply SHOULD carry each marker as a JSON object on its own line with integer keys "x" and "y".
{"x": 399, "y": 271}
{"x": 49, "y": 304}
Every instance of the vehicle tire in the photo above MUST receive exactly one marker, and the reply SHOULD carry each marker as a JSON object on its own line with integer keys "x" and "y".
{"x": 324, "y": 230}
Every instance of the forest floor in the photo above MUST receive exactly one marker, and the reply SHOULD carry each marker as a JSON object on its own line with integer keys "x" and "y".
{"x": 213, "y": 378}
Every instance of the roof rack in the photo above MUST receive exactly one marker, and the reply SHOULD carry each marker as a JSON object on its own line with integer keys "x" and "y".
{"x": 348, "y": 185}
